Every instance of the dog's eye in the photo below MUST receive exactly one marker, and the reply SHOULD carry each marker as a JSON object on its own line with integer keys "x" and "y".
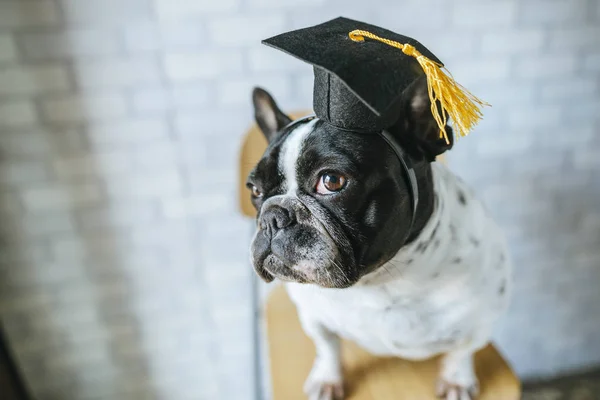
{"x": 330, "y": 183}
{"x": 255, "y": 192}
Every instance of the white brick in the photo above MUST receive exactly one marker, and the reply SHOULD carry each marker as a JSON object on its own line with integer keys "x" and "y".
{"x": 17, "y": 113}
{"x": 184, "y": 9}
{"x": 23, "y": 172}
{"x": 169, "y": 36}
{"x": 28, "y": 13}
{"x": 66, "y": 141}
{"x": 128, "y": 214}
{"x": 545, "y": 66}
{"x": 198, "y": 205}
{"x": 149, "y": 185}
{"x": 479, "y": 14}
{"x": 155, "y": 156}
{"x": 411, "y": 16}
{"x": 581, "y": 37}
{"x": 239, "y": 91}
{"x": 284, "y": 3}
{"x": 193, "y": 155}
{"x": 151, "y": 100}
{"x": 517, "y": 144}
{"x": 24, "y": 143}
{"x": 304, "y": 86}
{"x": 8, "y": 51}
{"x": 247, "y": 29}
{"x": 506, "y": 94}
{"x": 538, "y": 117}
{"x": 444, "y": 46}
{"x": 577, "y": 137}
{"x": 82, "y": 108}
{"x": 40, "y": 142}
{"x": 591, "y": 62}
{"x": 552, "y": 12}
{"x": 32, "y": 79}
{"x": 584, "y": 111}
{"x": 117, "y": 73}
{"x": 60, "y": 196}
{"x": 90, "y": 165}
{"x": 188, "y": 96}
{"x": 84, "y": 43}
{"x": 267, "y": 59}
{"x": 571, "y": 89}
{"x": 89, "y": 244}
{"x": 130, "y": 132}
{"x": 190, "y": 66}
{"x": 512, "y": 41}
{"x": 194, "y": 125}
{"x": 587, "y": 159}
{"x": 45, "y": 224}
{"x": 106, "y": 11}
{"x": 475, "y": 71}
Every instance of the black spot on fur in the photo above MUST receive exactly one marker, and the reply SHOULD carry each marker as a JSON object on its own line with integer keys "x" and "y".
{"x": 456, "y": 260}
{"x": 474, "y": 241}
{"x": 434, "y": 232}
{"x": 461, "y": 198}
{"x": 436, "y": 243}
{"x": 453, "y": 232}
{"x": 502, "y": 288}
{"x": 409, "y": 261}
{"x": 421, "y": 247}
{"x": 435, "y": 275}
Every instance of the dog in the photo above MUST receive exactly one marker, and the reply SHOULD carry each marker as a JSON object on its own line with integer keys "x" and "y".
{"x": 334, "y": 224}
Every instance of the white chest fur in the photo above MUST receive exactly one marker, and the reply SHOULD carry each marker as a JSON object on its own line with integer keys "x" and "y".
{"x": 446, "y": 288}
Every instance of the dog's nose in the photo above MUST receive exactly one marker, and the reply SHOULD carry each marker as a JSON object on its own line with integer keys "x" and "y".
{"x": 275, "y": 218}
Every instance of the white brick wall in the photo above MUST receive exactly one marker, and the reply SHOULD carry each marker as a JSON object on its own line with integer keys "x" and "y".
{"x": 119, "y": 131}
{"x": 28, "y": 13}
{"x": 8, "y": 51}
{"x": 82, "y": 108}
{"x": 76, "y": 43}
{"x": 192, "y": 66}
{"x": 32, "y": 79}
{"x": 17, "y": 113}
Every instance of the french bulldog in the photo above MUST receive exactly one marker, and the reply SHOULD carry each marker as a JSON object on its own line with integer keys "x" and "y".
{"x": 334, "y": 224}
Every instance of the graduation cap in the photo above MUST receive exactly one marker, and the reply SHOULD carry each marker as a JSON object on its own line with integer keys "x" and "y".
{"x": 361, "y": 71}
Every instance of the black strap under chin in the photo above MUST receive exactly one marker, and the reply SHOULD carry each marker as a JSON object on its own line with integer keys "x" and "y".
{"x": 405, "y": 161}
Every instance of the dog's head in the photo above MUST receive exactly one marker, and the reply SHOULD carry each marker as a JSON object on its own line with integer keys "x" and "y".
{"x": 334, "y": 205}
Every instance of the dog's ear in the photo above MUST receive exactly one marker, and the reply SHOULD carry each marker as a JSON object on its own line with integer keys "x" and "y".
{"x": 420, "y": 126}
{"x": 268, "y": 116}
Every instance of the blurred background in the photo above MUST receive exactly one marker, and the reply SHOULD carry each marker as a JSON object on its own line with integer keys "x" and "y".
{"x": 124, "y": 269}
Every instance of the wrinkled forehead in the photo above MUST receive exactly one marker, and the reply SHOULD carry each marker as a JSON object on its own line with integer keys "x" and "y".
{"x": 311, "y": 144}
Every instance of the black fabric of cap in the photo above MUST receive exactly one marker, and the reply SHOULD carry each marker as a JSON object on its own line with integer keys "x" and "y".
{"x": 358, "y": 85}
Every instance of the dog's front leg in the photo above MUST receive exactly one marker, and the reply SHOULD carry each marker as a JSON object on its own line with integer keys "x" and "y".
{"x": 325, "y": 381}
{"x": 457, "y": 376}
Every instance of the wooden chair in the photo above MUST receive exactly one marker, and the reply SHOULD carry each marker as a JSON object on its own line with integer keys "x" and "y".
{"x": 291, "y": 352}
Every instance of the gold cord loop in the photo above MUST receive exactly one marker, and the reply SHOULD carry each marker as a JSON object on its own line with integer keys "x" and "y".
{"x": 462, "y": 106}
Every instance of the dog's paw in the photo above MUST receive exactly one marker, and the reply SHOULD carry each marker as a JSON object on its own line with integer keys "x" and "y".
{"x": 322, "y": 385}
{"x": 324, "y": 390}
{"x": 452, "y": 391}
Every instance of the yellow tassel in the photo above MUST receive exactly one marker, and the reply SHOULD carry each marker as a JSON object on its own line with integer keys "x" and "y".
{"x": 462, "y": 106}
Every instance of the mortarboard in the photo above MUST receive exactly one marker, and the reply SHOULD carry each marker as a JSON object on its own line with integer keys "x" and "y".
{"x": 361, "y": 71}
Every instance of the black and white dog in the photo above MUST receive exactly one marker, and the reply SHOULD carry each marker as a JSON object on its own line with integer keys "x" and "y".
{"x": 333, "y": 215}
